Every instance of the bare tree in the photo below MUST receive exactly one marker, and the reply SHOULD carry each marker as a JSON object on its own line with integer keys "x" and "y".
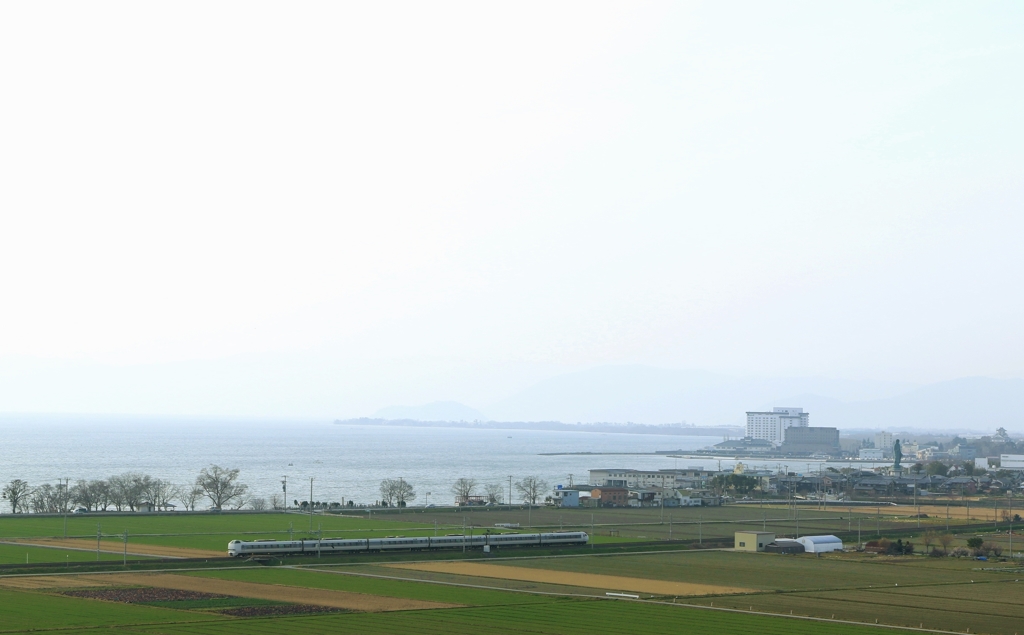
{"x": 159, "y": 492}
{"x": 16, "y": 493}
{"x": 945, "y": 540}
{"x": 495, "y": 492}
{"x": 188, "y": 495}
{"x": 220, "y": 485}
{"x": 389, "y": 490}
{"x": 929, "y": 539}
{"x": 83, "y": 494}
{"x": 126, "y": 490}
{"x": 258, "y": 504}
{"x": 276, "y": 502}
{"x": 45, "y": 499}
{"x": 531, "y": 488}
{"x": 101, "y": 494}
{"x": 463, "y": 489}
{"x": 404, "y": 492}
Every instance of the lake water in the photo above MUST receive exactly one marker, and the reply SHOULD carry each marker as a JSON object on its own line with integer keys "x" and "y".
{"x": 345, "y": 462}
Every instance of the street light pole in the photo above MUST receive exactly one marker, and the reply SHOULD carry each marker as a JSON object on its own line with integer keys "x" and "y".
{"x": 64, "y": 502}
{"x": 311, "y": 504}
{"x": 284, "y": 485}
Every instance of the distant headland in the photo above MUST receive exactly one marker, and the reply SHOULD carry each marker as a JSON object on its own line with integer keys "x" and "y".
{"x": 678, "y": 429}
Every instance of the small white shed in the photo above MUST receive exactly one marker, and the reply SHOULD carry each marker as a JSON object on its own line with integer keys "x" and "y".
{"x": 820, "y": 544}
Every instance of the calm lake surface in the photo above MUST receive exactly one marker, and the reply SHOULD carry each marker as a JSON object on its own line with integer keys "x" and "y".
{"x": 345, "y": 462}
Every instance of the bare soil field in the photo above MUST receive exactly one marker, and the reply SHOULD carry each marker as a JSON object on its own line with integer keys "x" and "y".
{"x": 280, "y": 593}
{"x": 50, "y": 582}
{"x": 588, "y": 580}
{"x": 138, "y": 549}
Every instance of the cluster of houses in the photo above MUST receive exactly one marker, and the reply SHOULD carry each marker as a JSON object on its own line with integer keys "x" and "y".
{"x": 694, "y": 486}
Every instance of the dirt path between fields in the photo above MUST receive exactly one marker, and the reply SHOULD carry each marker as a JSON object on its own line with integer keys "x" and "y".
{"x": 588, "y": 580}
{"x": 277, "y": 592}
{"x": 51, "y": 582}
{"x": 134, "y": 548}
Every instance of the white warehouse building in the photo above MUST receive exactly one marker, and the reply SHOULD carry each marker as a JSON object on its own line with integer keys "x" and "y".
{"x": 820, "y": 544}
{"x": 771, "y": 426}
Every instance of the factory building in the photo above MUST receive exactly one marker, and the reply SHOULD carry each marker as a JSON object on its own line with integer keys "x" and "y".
{"x": 811, "y": 441}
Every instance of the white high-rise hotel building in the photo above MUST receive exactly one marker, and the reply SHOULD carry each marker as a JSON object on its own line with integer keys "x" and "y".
{"x": 771, "y": 426}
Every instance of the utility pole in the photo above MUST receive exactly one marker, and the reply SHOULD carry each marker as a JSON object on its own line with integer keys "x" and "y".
{"x": 700, "y": 530}
{"x": 64, "y": 503}
{"x": 858, "y": 534}
{"x": 592, "y": 534}
{"x": 125, "y": 561}
{"x": 284, "y": 485}
{"x": 310, "y": 504}
{"x": 99, "y": 534}
{"x": 510, "y": 492}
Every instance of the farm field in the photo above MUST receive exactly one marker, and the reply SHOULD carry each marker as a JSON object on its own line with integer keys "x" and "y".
{"x": 16, "y": 554}
{"x": 546, "y": 595}
{"x": 207, "y": 535}
{"x": 30, "y": 610}
{"x": 551, "y": 617}
{"x": 384, "y": 585}
{"x": 982, "y": 607}
{"x": 770, "y": 572}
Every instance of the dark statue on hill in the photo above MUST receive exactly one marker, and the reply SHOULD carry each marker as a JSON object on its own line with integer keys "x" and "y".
{"x": 897, "y": 453}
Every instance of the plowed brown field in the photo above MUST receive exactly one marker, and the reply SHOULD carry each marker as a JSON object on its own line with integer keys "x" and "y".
{"x": 281, "y": 593}
{"x": 588, "y": 580}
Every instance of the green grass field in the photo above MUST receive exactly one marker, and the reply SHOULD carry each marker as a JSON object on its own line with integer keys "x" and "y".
{"x": 16, "y": 554}
{"x": 771, "y": 572}
{"x": 995, "y": 608}
{"x": 562, "y": 617}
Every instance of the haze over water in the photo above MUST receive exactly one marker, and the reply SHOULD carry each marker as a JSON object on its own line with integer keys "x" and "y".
{"x": 346, "y": 462}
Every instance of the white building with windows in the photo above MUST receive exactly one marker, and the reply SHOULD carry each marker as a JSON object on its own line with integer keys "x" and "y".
{"x": 771, "y": 426}
{"x": 884, "y": 442}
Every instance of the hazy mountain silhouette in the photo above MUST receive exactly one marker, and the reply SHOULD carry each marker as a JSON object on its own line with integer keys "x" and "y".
{"x": 436, "y": 411}
{"x": 644, "y": 394}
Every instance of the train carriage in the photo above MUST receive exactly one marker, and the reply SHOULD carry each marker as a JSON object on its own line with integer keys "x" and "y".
{"x": 238, "y": 548}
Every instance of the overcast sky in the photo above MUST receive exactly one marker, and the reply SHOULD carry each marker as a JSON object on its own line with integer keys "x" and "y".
{"x": 492, "y": 193}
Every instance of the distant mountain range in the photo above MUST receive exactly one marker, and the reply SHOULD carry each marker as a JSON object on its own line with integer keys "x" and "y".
{"x": 644, "y": 394}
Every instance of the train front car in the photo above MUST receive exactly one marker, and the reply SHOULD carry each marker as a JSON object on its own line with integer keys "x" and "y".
{"x": 564, "y": 538}
{"x": 234, "y": 548}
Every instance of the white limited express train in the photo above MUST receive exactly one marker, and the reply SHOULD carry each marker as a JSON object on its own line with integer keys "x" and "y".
{"x": 343, "y": 545}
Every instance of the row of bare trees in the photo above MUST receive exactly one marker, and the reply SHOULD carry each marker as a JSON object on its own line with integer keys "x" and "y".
{"x": 128, "y": 492}
{"x": 396, "y": 492}
{"x": 530, "y": 489}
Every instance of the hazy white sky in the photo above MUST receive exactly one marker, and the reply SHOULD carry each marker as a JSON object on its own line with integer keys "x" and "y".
{"x": 490, "y": 193}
